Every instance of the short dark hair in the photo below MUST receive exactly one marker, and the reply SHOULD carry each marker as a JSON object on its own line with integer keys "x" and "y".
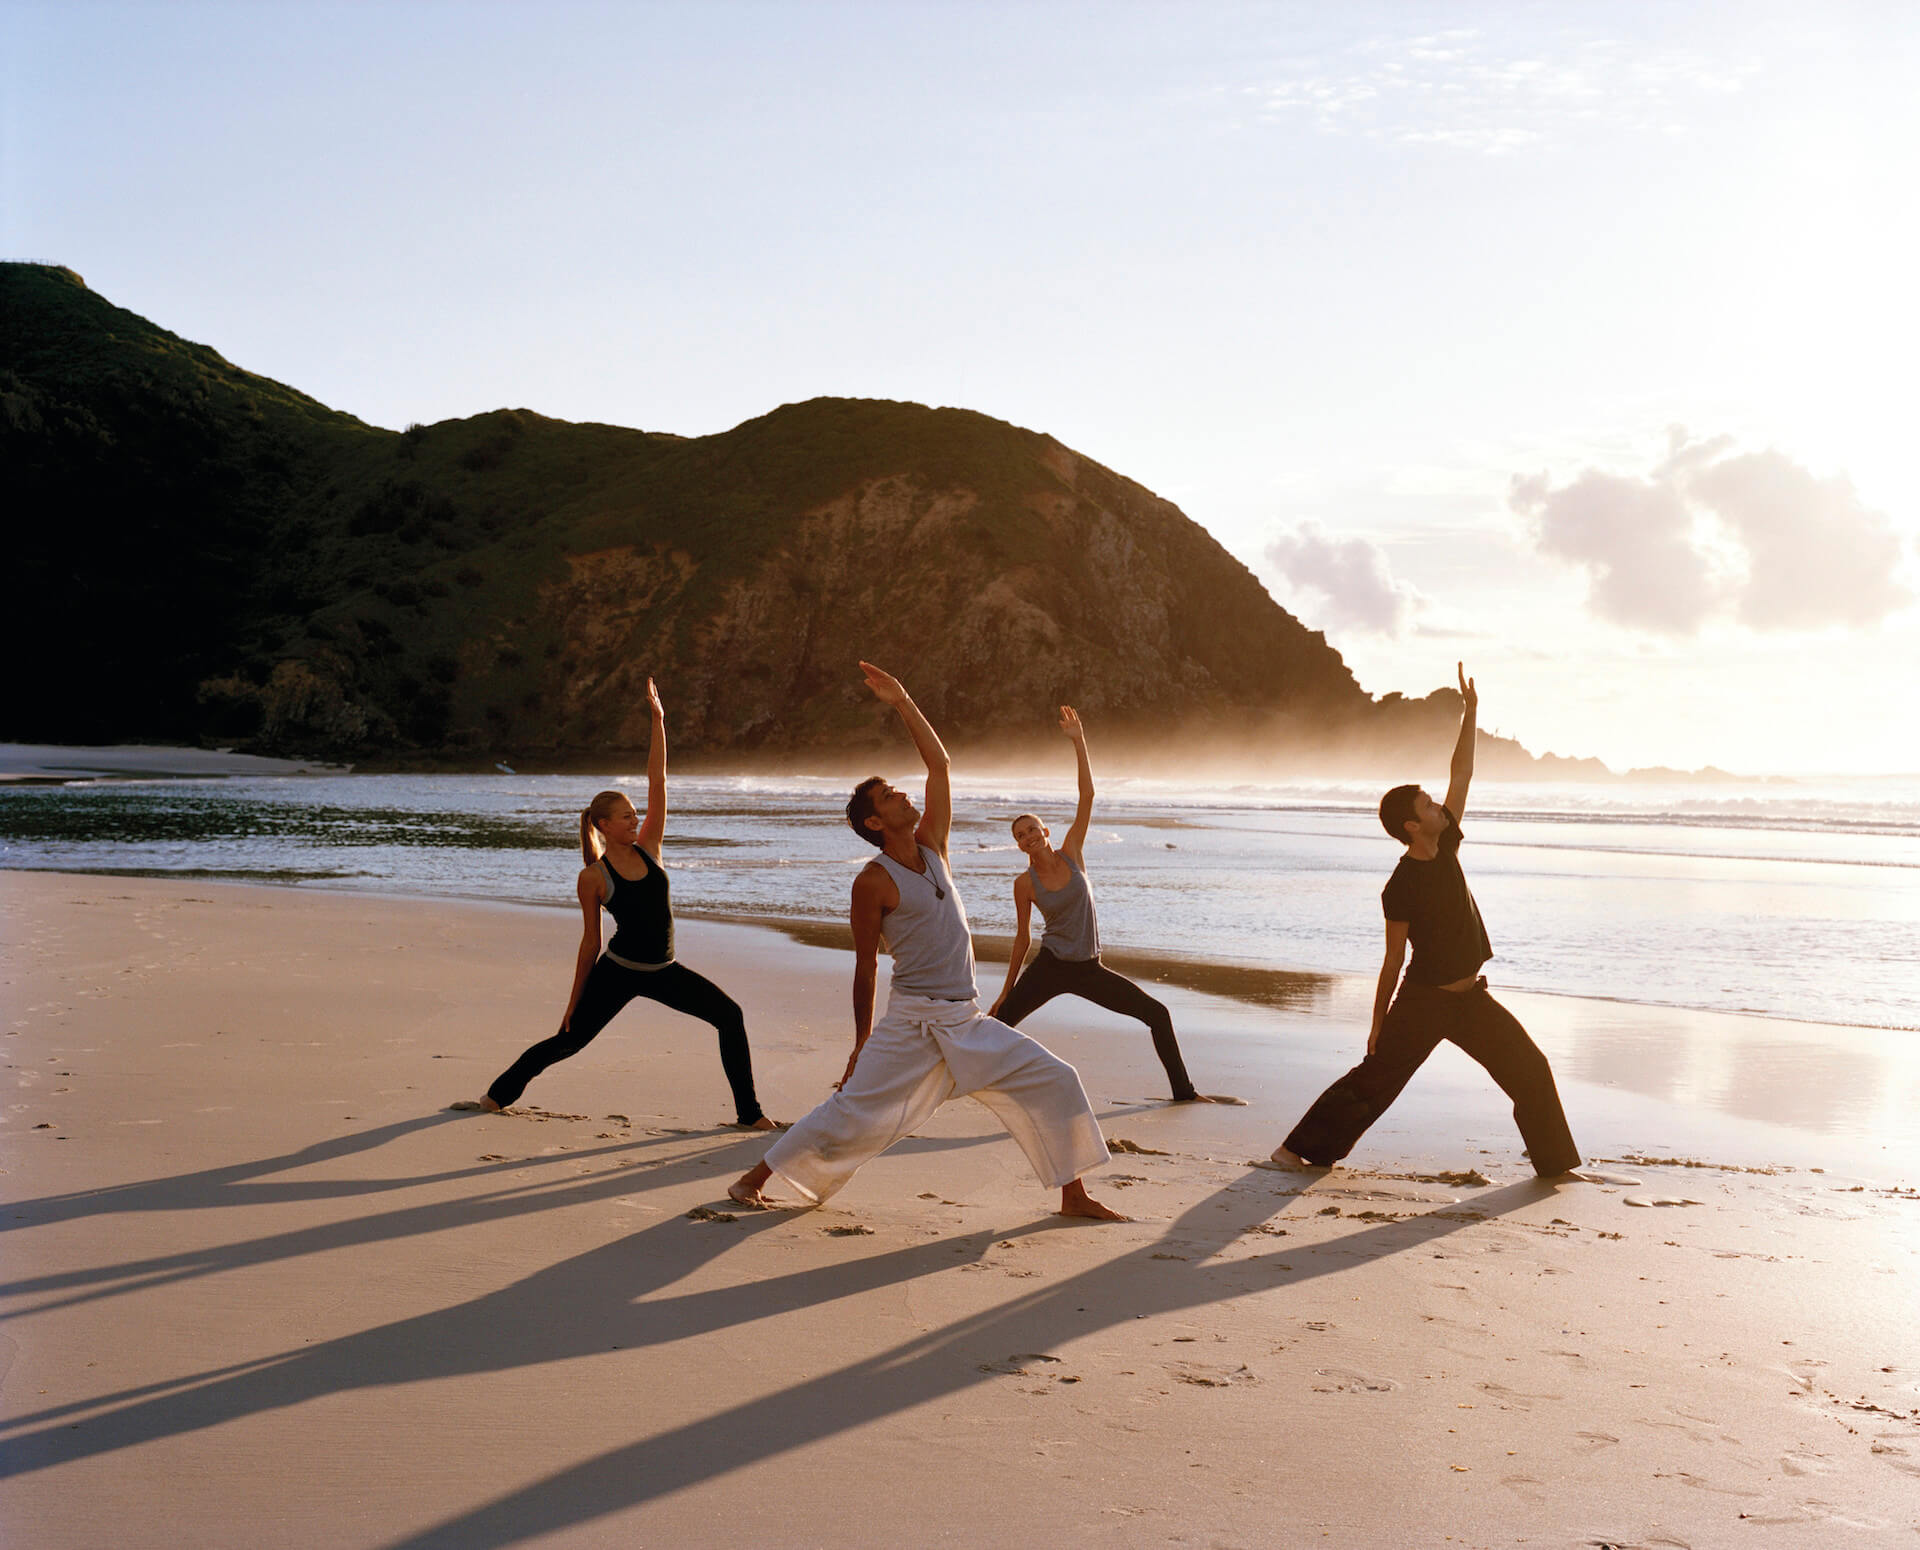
{"x": 860, "y": 809}
{"x": 1396, "y": 811}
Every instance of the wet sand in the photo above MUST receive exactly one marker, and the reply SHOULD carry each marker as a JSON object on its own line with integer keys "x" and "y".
{"x": 49, "y": 764}
{"x": 262, "y": 1290}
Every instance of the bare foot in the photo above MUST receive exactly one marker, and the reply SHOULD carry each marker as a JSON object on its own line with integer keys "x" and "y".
{"x": 477, "y": 1105}
{"x": 1075, "y": 1201}
{"x": 1238, "y": 1103}
{"x": 1284, "y": 1157}
{"x": 763, "y": 1123}
{"x": 746, "y": 1188}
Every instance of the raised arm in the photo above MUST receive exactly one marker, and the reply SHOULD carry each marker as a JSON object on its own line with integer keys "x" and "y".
{"x": 654, "y": 826}
{"x": 936, "y": 814}
{"x": 1460, "y": 774}
{"x": 1083, "y": 814}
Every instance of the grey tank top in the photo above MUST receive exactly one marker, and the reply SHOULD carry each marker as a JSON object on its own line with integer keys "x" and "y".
{"x": 927, "y": 933}
{"x": 1072, "y": 934}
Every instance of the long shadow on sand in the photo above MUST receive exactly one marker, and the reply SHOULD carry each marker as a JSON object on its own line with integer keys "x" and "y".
{"x": 249, "y": 1184}
{"x": 225, "y": 1188}
{"x": 590, "y": 1303}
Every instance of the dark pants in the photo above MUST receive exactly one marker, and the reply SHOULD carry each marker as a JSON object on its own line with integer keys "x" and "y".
{"x": 1419, "y": 1019}
{"x": 610, "y": 987}
{"x": 1090, "y": 979}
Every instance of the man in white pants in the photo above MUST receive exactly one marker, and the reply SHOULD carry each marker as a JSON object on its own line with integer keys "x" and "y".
{"x": 934, "y": 1043}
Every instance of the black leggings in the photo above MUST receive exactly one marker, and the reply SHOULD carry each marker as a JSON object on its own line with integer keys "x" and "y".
{"x": 609, "y": 987}
{"x": 1090, "y": 979}
{"x": 1420, "y": 1018}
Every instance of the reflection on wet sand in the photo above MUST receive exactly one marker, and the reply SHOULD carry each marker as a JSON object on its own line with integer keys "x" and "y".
{"x": 1812, "y": 1077}
{"x": 1290, "y": 990}
{"x": 1806, "y": 1086}
{"x": 1637, "y": 1059}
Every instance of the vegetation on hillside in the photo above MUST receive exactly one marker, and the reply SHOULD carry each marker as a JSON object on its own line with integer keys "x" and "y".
{"x": 202, "y": 554}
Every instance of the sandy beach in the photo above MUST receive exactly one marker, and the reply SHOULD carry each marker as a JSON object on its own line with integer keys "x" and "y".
{"x": 49, "y": 764}
{"x": 262, "y": 1290}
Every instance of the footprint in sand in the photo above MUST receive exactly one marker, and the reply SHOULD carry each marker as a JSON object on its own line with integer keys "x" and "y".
{"x": 1020, "y": 1365}
{"x": 1597, "y": 1440}
{"x": 1200, "y": 1375}
{"x": 1889, "y": 1449}
{"x": 1517, "y": 1401}
{"x": 1342, "y": 1380}
{"x": 1701, "y": 1483}
{"x": 1660, "y": 1200}
{"x": 1804, "y": 1461}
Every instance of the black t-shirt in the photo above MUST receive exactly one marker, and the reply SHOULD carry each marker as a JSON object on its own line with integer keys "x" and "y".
{"x": 1443, "y": 923}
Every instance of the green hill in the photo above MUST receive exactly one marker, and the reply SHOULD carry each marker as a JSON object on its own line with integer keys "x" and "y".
{"x": 206, "y": 555}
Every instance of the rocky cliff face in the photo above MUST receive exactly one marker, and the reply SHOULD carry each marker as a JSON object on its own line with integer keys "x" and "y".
{"x": 1088, "y": 590}
{"x": 270, "y": 573}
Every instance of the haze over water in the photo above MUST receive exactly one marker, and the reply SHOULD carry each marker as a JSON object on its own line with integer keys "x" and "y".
{"x": 1794, "y": 900}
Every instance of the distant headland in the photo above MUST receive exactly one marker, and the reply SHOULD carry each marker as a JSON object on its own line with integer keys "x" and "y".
{"x": 207, "y": 557}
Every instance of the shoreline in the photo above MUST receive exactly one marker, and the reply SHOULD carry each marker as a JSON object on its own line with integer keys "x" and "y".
{"x": 989, "y": 762}
{"x": 1754, "y": 1088}
{"x": 65, "y": 764}
{"x": 261, "y": 1288}
{"x": 1278, "y": 986}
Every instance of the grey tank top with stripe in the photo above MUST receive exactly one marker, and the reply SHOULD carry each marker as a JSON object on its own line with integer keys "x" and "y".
{"x": 1073, "y": 932}
{"x": 927, "y": 933}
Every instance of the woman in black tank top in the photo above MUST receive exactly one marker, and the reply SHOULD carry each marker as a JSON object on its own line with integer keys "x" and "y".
{"x": 623, "y": 876}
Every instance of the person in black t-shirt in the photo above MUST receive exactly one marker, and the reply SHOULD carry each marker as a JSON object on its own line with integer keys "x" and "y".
{"x": 1444, "y": 996}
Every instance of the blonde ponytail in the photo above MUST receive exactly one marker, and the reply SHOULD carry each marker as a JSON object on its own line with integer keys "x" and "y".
{"x": 598, "y": 808}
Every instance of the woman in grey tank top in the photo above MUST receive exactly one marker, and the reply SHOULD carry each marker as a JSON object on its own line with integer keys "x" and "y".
{"x": 1068, "y": 963}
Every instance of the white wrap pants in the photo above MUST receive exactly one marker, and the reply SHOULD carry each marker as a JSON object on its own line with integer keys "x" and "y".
{"x": 920, "y": 1054}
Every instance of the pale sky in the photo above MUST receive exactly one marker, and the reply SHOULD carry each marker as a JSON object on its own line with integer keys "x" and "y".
{"x": 1576, "y": 340}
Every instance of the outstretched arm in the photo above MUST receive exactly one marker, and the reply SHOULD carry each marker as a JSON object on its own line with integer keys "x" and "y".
{"x": 1022, "y": 939}
{"x": 654, "y": 826}
{"x": 1083, "y": 814}
{"x": 1460, "y": 775}
{"x": 936, "y": 816}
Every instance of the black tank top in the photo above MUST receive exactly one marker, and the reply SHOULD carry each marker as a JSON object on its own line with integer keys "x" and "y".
{"x": 642, "y": 914}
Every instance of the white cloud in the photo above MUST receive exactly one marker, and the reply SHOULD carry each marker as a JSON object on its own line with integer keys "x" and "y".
{"x": 1712, "y": 533}
{"x": 1351, "y": 574}
{"x": 1815, "y": 555}
{"x": 1635, "y": 537}
{"x": 1466, "y": 92}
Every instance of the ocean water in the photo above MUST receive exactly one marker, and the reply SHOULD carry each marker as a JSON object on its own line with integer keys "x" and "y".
{"x": 1794, "y": 900}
